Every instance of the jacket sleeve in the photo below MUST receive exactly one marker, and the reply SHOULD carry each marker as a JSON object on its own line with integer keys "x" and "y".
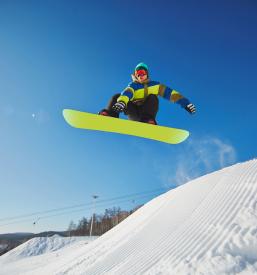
{"x": 173, "y": 95}
{"x": 127, "y": 94}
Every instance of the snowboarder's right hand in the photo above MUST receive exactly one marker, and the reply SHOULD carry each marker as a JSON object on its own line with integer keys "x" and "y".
{"x": 119, "y": 107}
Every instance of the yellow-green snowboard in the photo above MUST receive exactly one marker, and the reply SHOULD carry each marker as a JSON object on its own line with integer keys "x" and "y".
{"x": 90, "y": 121}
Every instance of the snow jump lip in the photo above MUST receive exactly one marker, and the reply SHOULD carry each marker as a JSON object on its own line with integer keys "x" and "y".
{"x": 95, "y": 122}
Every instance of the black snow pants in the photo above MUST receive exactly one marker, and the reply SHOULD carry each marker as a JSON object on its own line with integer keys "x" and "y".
{"x": 137, "y": 111}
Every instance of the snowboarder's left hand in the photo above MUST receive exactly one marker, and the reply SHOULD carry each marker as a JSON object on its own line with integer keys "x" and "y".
{"x": 190, "y": 108}
{"x": 119, "y": 107}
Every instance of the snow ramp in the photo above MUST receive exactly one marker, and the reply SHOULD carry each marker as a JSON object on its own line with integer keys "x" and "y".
{"x": 207, "y": 226}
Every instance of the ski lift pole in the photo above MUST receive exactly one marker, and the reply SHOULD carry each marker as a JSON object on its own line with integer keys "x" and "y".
{"x": 92, "y": 219}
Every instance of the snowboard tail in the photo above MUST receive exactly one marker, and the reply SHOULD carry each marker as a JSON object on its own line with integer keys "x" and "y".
{"x": 96, "y": 122}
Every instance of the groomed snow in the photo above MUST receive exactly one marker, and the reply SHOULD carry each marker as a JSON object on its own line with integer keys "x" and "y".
{"x": 207, "y": 226}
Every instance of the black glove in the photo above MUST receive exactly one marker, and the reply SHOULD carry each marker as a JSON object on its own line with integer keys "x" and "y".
{"x": 119, "y": 107}
{"x": 190, "y": 108}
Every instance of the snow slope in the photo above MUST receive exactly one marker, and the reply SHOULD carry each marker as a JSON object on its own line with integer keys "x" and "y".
{"x": 207, "y": 226}
{"x": 40, "y": 245}
{"x": 39, "y": 252}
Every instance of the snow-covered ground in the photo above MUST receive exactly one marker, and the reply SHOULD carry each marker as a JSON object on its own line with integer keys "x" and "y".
{"x": 41, "y": 245}
{"x": 39, "y": 252}
{"x": 207, "y": 226}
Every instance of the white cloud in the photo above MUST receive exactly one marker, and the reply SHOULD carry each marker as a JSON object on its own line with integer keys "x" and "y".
{"x": 184, "y": 162}
{"x": 196, "y": 158}
{"x": 227, "y": 153}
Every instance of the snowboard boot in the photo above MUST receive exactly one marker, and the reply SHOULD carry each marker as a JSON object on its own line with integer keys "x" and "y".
{"x": 106, "y": 112}
{"x": 149, "y": 121}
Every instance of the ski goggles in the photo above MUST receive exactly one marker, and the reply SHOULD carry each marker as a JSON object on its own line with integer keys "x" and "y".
{"x": 141, "y": 73}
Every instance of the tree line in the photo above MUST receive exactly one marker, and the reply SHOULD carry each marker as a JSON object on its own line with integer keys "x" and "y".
{"x": 101, "y": 222}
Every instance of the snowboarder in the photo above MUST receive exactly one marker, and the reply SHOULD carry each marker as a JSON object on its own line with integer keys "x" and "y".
{"x": 139, "y": 101}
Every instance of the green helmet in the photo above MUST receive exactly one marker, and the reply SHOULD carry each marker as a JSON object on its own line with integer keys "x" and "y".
{"x": 141, "y": 66}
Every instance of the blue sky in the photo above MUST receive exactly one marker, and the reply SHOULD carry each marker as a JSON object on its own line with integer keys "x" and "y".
{"x": 77, "y": 54}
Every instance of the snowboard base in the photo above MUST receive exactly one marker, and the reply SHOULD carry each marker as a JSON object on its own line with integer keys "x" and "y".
{"x": 97, "y": 122}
